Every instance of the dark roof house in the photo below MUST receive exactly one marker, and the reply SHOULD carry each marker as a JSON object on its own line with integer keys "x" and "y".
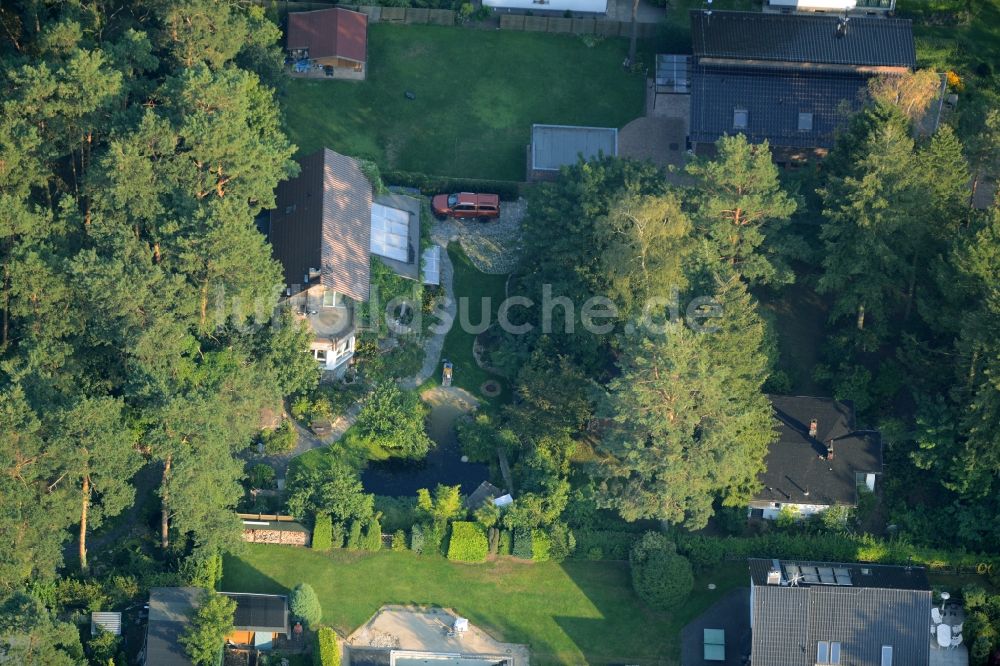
{"x": 790, "y": 79}
{"x": 329, "y": 33}
{"x": 321, "y": 226}
{"x": 807, "y": 613}
{"x": 819, "y": 457}
{"x": 260, "y": 612}
{"x": 170, "y": 610}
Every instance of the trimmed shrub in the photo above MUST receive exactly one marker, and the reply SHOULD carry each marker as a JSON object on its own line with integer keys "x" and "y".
{"x": 327, "y": 650}
{"x": 493, "y": 536}
{"x": 337, "y": 534}
{"x": 468, "y": 542}
{"x": 322, "y": 538}
{"x": 611, "y": 544}
{"x": 417, "y": 541}
{"x": 304, "y": 604}
{"x": 372, "y": 539}
{"x": 522, "y": 543}
{"x": 660, "y": 576}
{"x": 280, "y": 440}
{"x": 354, "y": 541}
{"x": 506, "y": 189}
{"x": 562, "y": 542}
{"x": 540, "y": 546}
{"x": 505, "y": 543}
{"x": 399, "y": 540}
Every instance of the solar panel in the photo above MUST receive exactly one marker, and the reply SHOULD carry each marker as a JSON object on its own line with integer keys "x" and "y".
{"x": 390, "y": 232}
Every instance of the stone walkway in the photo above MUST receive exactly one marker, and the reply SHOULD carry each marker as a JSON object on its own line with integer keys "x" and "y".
{"x": 306, "y": 440}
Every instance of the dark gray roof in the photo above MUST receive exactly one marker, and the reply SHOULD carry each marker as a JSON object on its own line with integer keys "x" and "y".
{"x": 260, "y": 612}
{"x": 797, "y": 38}
{"x": 170, "y": 609}
{"x": 796, "y": 463}
{"x": 554, "y": 146}
{"x": 323, "y": 221}
{"x": 887, "y": 606}
{"x": 773, "y": 100}
{"x": 486, "y": 492}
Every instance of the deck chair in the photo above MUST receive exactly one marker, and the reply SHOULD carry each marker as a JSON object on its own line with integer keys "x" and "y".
{"x": 936, "y": 615}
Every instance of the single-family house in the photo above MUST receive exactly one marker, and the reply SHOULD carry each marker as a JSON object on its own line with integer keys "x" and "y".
{"x": 555, "y": 146}
{"x": 328, "y": 42}
{"x": 170, "y": 610}
{"x": 806, "y": 613}
{"x": 820, "y": 458}
{"x": 872, "y": 7}
{"x": 259, "y": 620}
{"x": 789, "y": 79}
{"x": 324, "y": 230}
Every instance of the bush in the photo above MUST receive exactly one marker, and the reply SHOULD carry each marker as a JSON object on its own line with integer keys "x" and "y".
{"x": 202, "y": 569}
{"x": 540, "y": 546}
{"x": 430, "y": 185}
{"x": 261, "y": 476}
{"x": 280, "y": 440}
{"x": 417, "y": 541}
{"x": 505, "y": 543}
{"x": 522, "y": 543}
{"x": 372, "y": 539}
{"x": 322, "y": 538}
{"x": 562, "y": 542}
{"x": 327, "y": 650}
{"x": 337, "y": 534}
{"x": 304, "y": 604}
{"x": 611, "y": 544}
{"x": 397, "y": 512}
{"x": 660, "y": 576}
{"x": 399, "y": 540}
{"x": 86, "y": 594}
{"x": 468, "y": 542}
{"x": 354, "y": 541}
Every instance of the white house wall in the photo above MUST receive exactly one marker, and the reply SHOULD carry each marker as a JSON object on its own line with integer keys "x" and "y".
{"x": 829, "y": 5}
{"x": 583, "y": 6}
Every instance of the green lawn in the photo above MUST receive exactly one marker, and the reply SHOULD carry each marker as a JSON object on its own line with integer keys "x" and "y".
{"x": 477, "y": 94}
{"x": 473, "y": 285}
{"x": 570, "y": 613}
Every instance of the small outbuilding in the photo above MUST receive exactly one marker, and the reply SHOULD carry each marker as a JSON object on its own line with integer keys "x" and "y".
{"x": 105, "y": 621}
{"x": 555, "y": 146}
{"x": 328, "y": 43}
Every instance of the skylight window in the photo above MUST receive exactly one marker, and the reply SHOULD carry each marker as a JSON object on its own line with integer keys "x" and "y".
{"x": 740, "y": 118}
{"x": 886, "y": 655}
{"x": 828, "y": 652}
{"x": 805, "y": 122}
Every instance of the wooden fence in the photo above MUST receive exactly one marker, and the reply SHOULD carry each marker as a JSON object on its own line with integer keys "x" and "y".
{"x": 376, "y": 14}
{"x": 576, "y": 26}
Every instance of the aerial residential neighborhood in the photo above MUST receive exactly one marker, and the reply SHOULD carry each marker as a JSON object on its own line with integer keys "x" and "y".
{"x": 502, "y": 332}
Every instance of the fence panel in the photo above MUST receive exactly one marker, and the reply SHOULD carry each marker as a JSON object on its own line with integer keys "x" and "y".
{"x": 584, "y": 26}
{"x": 536, "y": 23}
{"x": 441, "y": 17}
{"x": 394, "y": 14}
{"x": 560, "y": 25}
{"x": 417, "y": 14}
{"x": 512, "y": 21}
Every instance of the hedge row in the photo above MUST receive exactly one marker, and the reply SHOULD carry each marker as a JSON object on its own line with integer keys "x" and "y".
{"x": 327, "y": 652}
{"x": 468, "y": 542}
{"x": 604, "y": 544}
{"x": 706, "y": 552}
{"x": 508, "y": 190}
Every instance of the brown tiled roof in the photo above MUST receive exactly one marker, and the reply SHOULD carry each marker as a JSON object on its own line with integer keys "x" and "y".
{"x": 329, "y": 32}
{"x": 323, "y": 221}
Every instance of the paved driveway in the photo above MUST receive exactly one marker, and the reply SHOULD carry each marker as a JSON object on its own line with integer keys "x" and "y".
{"x": 731, "y": 614}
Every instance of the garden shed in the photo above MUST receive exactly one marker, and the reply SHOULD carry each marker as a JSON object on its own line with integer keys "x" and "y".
{"x": 555, "y": 146}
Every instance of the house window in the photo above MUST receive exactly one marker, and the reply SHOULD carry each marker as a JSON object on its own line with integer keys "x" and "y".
{"x": 827, "y": 653}
{"x": 886, "y": 655}
{"x": 740, "y": 118}
{"x": 329, "y": 298}
{"x": 320, "y": 355}
{"x": 805, "y": 122}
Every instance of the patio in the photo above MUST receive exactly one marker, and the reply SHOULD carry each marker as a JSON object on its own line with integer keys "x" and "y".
{"x": 947, "y": 646}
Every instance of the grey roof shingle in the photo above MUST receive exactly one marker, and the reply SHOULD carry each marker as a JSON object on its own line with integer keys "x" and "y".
{"x": 886, "y": 606}
{"x": 796, "y": 463}
{"x": 323, "y": 221}
{"x": 259, "y": 612}
{"x": 773, "y": 100}
{"x": 797, "y": 38}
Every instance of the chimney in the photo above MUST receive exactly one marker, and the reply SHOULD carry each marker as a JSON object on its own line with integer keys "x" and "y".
{"x": 774, "y": 573}
{"x": 829, "y": 450}
{"x": 813, "y": 427}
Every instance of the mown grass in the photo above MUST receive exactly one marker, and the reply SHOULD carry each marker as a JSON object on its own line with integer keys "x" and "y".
{"x": 477, "y": 94}
{"x": 570, "y": 613}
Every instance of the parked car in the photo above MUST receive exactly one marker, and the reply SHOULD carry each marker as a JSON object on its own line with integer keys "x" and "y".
{"x": 466, "y": 204}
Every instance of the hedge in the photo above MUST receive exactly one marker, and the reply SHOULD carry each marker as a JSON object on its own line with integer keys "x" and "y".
{"x": 322, "y": 537}
{"x": 522, "y": 543}
{"x": 354, "y": 539}
{"x": 468, "y": 542}
{"x": 506, "y": 543}
{"x": 540, "y": 545}
{"x": 604, "y": 544}
{"x": 372, "y": 538}
{"x": 337, "y": 535}
{"x": 706, "y": 552}
{"x": 508, "y": 190}
{"x": 399, "y": 540}
{"x": 327, "y": 652}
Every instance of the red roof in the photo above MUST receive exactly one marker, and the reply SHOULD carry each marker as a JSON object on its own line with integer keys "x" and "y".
{"x": 329, "y": 32}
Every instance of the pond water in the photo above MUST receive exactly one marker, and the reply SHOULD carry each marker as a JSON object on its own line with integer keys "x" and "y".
{"x": 443, "y": 464}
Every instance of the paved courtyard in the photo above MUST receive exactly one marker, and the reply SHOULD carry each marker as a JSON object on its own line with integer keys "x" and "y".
{"x": 731, "y": 614}
{"x": 423, "y": 629}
